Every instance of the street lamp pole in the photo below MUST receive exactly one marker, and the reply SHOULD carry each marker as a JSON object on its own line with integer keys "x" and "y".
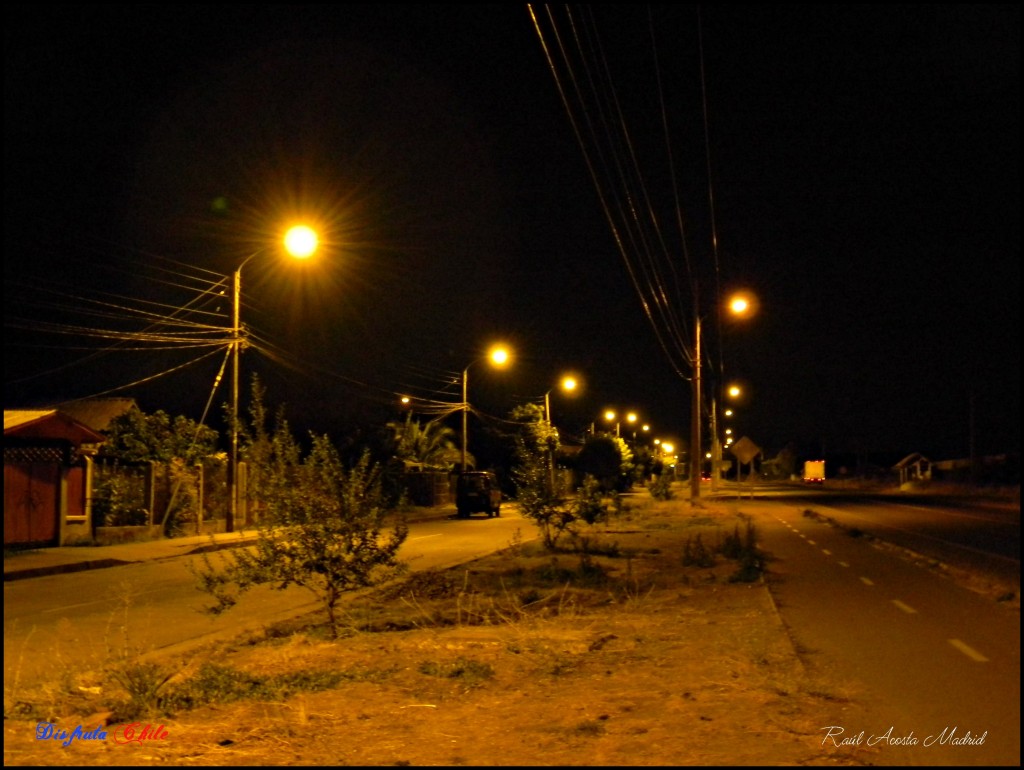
{"x": 716, "y": 448}
{"x": 465, "y": 415}
{"x": 236, "y": 347}
{"x": 499, "y": 356}
{"x": 695, "y": 450}
{"x": 551, "y": 452}
{"x": 300, "y": 242}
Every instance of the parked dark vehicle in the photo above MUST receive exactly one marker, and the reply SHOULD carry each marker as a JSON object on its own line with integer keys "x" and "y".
{"x": 477, "y": 492}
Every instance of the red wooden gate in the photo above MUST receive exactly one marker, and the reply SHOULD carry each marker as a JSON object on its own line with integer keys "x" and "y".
{"x": 31, "y": 503}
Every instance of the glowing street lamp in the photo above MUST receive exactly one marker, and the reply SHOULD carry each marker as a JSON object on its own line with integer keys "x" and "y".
{"x": 740, "y": 304}
{"x": 609, "y": 416}
{"x": 300, "y": 242}
{"x": 499, "y": 356}
{"x": 568, "y": 384}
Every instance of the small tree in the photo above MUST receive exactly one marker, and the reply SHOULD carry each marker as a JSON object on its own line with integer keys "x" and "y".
{"x": 661, "y": 487}
{"x": 322, "y": 529}
{"x": 532, "y": 474}
{"x": 601, "y": 457}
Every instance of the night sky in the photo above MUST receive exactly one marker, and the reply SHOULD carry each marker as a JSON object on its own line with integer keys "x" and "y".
{"x": 856, "y": 167}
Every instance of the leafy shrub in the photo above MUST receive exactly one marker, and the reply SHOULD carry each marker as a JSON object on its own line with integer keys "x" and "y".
{"x": 661, "y": 487}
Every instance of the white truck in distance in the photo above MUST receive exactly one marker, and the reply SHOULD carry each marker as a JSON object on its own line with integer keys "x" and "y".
{"x": 814, "y": 472}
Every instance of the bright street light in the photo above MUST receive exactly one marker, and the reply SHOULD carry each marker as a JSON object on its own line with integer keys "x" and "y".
{"x": 741, "y": 304}
{"x": 610, "y": 417}
{"x": 499, "y": 356}
{"x": 300, "y": 242}
{"x": 568, "y": 384}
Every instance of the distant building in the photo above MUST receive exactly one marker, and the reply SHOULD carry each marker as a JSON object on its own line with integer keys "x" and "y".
{"x": 914, "y": 467}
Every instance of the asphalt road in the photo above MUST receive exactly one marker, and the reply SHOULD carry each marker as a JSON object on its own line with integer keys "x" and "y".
{"x": 929, "y": 657}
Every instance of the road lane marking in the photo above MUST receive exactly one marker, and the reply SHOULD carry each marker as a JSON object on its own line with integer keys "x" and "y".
{"x": 904, "y": 607}
{"x": 843, "y": 564}
{"x": 969, "y": 651}
{"x": 424, "y": 537}
{"x": 826, "y": 551}
{"x": 866, "y": 581}
{"x": 812, "y": 542}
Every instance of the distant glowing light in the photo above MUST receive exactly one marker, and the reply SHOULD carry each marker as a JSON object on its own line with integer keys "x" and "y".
{"x": 499, "y": 355}
{"x": 301, "y": 241}
{"x": 743, "y": 304}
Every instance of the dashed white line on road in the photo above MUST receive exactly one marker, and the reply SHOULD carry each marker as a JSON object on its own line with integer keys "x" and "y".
{"x": 969, "y": 651}
{"x": 907, "y": 609}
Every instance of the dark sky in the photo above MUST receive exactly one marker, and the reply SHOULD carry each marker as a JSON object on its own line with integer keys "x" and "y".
{"x": 863, "y": 183}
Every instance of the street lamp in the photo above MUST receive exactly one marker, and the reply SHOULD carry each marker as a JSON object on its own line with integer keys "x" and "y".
{"x": 499, "y": 356}
{"x": 300, "y": 242}
{"x": 609, "y": 416}
{"x": 567, "y": 384}
{"x": 695, "y": 418}
{"x": 740, "y": 304}
{"x": 733, "y": 391}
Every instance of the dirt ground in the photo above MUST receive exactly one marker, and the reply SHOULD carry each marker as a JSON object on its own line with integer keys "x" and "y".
{"x": 625, "y": 657}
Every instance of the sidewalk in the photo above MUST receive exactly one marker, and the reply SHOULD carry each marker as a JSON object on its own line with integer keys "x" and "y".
{"x": 19, "y": 565}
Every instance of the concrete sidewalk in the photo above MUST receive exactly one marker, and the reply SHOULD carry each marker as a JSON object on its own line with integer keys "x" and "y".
{"x": 38, "y": 562}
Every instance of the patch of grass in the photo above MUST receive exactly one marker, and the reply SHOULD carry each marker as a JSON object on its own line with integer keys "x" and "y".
{"x": 700, "y": 521}
{"x": 466, "y": 670}
{"x": 214, "y": 683}
{"x": 696, "y": 554}
{"x": 590, "y": 547}
{"x": 590, "y": 728}
{"x": 588, "y": 574}
{"x": 142, "y": 682}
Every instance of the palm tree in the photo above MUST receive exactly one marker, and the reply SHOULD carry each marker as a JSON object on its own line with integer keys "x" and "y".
{"x": 432, "y": 444}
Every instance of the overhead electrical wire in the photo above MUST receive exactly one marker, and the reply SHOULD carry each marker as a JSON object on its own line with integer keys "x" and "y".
{"x": 665, "y": 277}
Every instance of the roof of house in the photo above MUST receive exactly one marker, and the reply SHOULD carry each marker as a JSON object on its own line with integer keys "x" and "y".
{"x": 15, "y": 418}
{"x": 97, "y": 413}
{"x": 910, "y": 459}
{"x": 47, "y": 424}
